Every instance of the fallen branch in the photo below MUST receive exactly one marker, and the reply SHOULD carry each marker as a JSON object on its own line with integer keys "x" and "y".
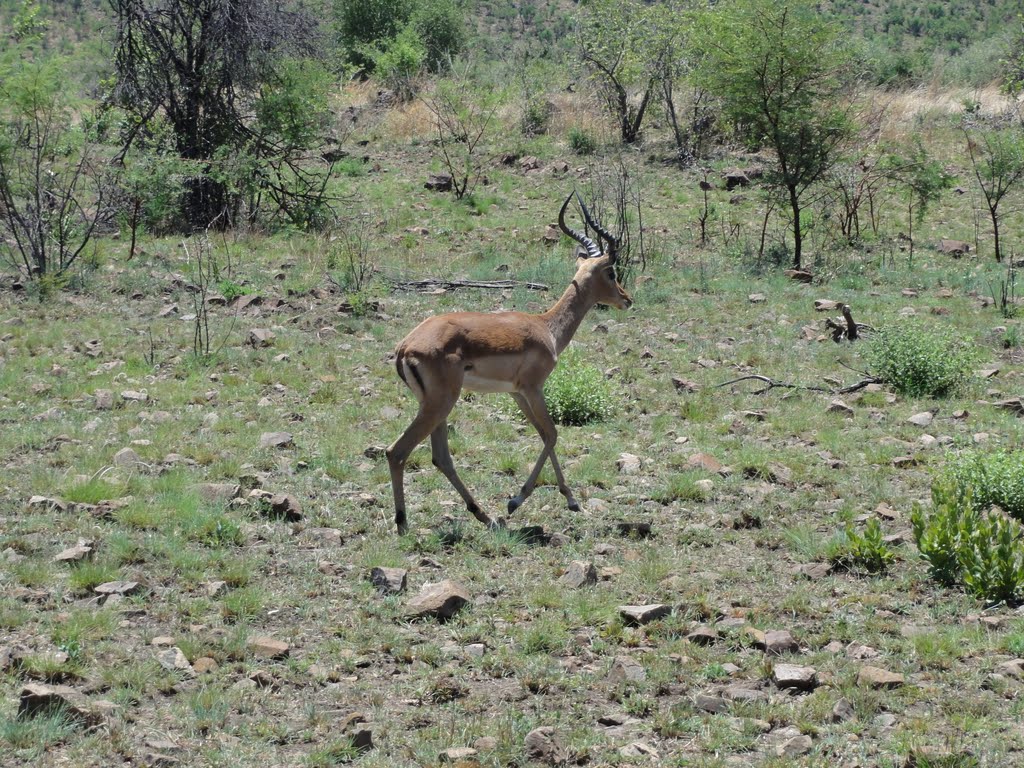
{"x": 845, "y": 327}
{"x": 435, "y": 284}
{"x": 772, "y": 384}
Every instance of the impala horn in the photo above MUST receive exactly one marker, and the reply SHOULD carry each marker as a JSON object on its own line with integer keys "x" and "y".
{"x": 593, "y": 249}
{"x": 613, "y": 242}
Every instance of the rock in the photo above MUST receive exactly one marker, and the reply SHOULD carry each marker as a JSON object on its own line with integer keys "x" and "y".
{"x": 793, "y": 676}
{"x": 704, "y": 461}
{"x": 438, "y": 182}
{"x": 131, "y": 396}
{"x": 126, "y": 457}
{"x": 457, "y": 754}
{"x": 626, "y": 669}
{"x": 284, "y": 506}
{"x": 217, "y": 492}
{"x": 268, "y": 648}
{"x": 684, "y": 385}
{"x": 174, "y": 660}
{"x": 757, "y": 298}
{"x": 74, "y": 554}
{"x": 799, "y": 275}
{"x": 261, "y": 337}
{"x": 545, "y": 746}
{"x": 779, "y": 641}
{"x": 703, "y": 635}
{"x": 103, "y": 399}
{"x": 875, "y": 677}
{"x": 639, "y": 749}
{"x": 638, "y": 615}
{"x": 1014, "y": 669}
{"x": 794, "y": 747}
{"x": 388, "y": 581}
{"x": 922, "y": 419}
{"x": 955, "y": 248}
{"x": 842, "y": 711}
{"x": 859, "y": 652}
{"x": 579, "y": 574}
{"x": 442, "y": 600}
{"x": 709, "y": 703}
{"x": 634, "y": 530}
{"x": 276, "y": 440}
{"x": 117, "y": 588}
{"x": 735, "y": 178}
{"x": 361, "y": 739}
{"x": 813, "y": 571}
{"x": 47, "y": 504}
{"x": 38, "y": 698}
{"x": 215, "y": 588}
{"x": 628, "y": 464}
{"x": 838, "y": 406}
{"x": 204, "y": 665}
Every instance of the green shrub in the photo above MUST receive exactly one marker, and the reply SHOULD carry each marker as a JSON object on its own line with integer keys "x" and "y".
{"x": 982, "y": 550}
{"x": 581, "y": 142}
{"x": 920, "y": 362}
{"x": 536, "y": 117}
{"x": 862, "y": 551}
{"x": 991, "y": 478}
{"x": 439, "y": 27}
{"x": 577, "y": 393}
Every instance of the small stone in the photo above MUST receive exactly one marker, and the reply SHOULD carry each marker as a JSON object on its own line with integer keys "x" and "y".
{"x": 389, "y": 581}
{"x": 793, "y": 676}
{"x": 1014, "y": 669}
{"x": 284, "y": 506}
{"x": 704, "y": 461}
{"x": 361, "y": 739}
{"x": 268, "y": 648}
{"x": 923, "y": 419}
{"x": 204, "y": 665}
{"x": 628, "y": 464}
{"x": 795, "y": 747}
{"x": 634, "y": 530}
{"x": 126, "y": 457}
{"x": 637, "y": 615}
{"x": 215, "y": 588}
{"x": 842, "y": 711}
{"x": 627, "y": 669}
{"x": 779, "y": 641}
{"x": 708, "y": 703}
{"x": 103, "y": 399}
{"x": 825, "y": 305}
{"x": 39, "y": 698}
{"x": 276, "y": 440}
{"x": 261, "y": 337}
{"x": 757, "y": 298}
{"x": 545, "y": 746}
{"x": 162, "y": 641}
{"x": 117, "y": 588}
{"x": 217, "y": 492}
{"x": 131, "y": 396}
{"x": 74, "y": 554}
{"x": 859, "y": 652}
{"x": 838, "y": 406}
{"x": 579, "y": 574}
{"x": 703, "y": 635}
{"x": 684, "y": 385}
{"x": 813, "y": 571}
{"x": 875, "y": 677}
{"x": 639, "y": 749}
{"x": 456, "y": 754}
{"x": 486, "y": 744}
{"x": 174, "y": 660}
{"x": 442, "y": 600}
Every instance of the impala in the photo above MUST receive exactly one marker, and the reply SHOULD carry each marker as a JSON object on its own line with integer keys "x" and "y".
{"x": 511, "y": 352}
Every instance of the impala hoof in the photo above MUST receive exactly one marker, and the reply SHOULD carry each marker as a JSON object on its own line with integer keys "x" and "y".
{"x": 574, "y": 506}
{"x": 514, "y": 503}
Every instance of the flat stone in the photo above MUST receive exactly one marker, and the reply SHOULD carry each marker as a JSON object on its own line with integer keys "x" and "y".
{"x": 757, "y": 298}
{"x": 117, "y": 588}
{"x": 923, "y": 419}
{"x": 442, "y": 600}
{"x": 73, "y": 554}
{"x": 579, "y": 574}
{"x": 1014, "y": 669}
{"x": 875, "y": 677}
{"x": 793, "y": 676}
{"x": 285, "y": 506}
{"x": 710, "y": 703}
{"x": 217, "y": 492}
{"x": 626, "y": 669}
{"x": 131, "y": 396}
{"x": 456, "y": 754}
{"x": 126, "y": 457}
{"x": 261, "y": 337}
{"x": 39, "y": 698}
{"x": 842, "y": 711}
{"x": 639, "y": 749}
{"x": 215, "y": 588}
{"x": 268, "y": 648}
{"x": 795, "y": 747}
{"x": 634, "y": 529}
{"x": 389, "y": 581}
{"x": 637, "y": 615}
{"x": 277, "y": 440}
{"x": 173, "y": 659}
{"x": 825, "y": 305}
{"x": 813, "y": 571}
{"x": 838, "y": 406}
{"x": 204, "y": 665}
{"x": 703, "y": 635}
{"x": 103, "y": 399}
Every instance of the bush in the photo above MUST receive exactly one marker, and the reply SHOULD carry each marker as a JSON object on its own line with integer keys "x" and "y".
{"x": 991, "y": 478}
{"x": 577, "y": 393}
{"x": 367, "y": 23}
{"x": 439, "y": 29}
{"x": 921, "y": 362}
{"x": 962, "y": 545}
{"x": 862, "y": 551}
{"x": 536, "y": 117}
{"x": 581, "y": 142}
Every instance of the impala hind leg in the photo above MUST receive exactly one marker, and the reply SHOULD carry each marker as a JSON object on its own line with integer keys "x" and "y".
{"x": 442, "y": 458}
{"x": 536, "y": 412}
{"x": 398, "y": 453}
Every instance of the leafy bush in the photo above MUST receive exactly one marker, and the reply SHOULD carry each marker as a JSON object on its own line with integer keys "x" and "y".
{"x": 536, "y": 117}
{"x": 577, "y": 393}
{"x": 363, "y": 23}
{"x": 919, "y": 361}
{"x": 862, "y": 551}
{"x": 991, "y": 478}
{"x": 438, "y": 26}
{"x": 581, "y": 142}
{"x": 982, "y": 550}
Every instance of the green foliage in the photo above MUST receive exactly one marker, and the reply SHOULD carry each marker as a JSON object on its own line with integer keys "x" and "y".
{"x": 439, "y": 26}
{"x": 920, "y": 361}
{"x": 364, "y": 24}
{"x": 577, "y": 393}
{"x": 988, "y": 478}
{"x": 981, "y": 550}
{"x": 394, "y": 32}
{"x": 27, "y": 25}
{"x": 865, "y": 551}
{"x": 292, "y": 107}
{"x": 581, "y": 142}
{"x": 399, "y": 61}
{"x": 536, "y": 117}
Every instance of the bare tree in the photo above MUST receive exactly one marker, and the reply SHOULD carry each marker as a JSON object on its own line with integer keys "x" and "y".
{"x": 995, "y": 147}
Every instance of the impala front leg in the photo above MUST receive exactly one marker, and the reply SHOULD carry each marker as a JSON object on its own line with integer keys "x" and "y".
{"x": 536, "y": 412}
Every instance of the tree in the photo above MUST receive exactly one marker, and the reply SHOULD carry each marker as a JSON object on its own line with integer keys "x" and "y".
{"x": 200, "y": 65}
{"x": 779, "y": 68}
{"x": 613, "y": 44}
{"x": 995, "y": 147}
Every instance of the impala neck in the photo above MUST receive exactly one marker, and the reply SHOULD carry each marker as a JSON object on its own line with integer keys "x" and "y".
{"x": 568, "y": 312}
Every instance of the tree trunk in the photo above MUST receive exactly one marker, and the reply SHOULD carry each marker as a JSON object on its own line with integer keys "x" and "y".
{"x": 995, "y": 234}
{"x": 794, "y": 204}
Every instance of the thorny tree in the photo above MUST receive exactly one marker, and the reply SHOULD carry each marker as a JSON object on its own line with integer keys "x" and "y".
{"x": 995, "y": 146}
{"x": 200, "y": 64}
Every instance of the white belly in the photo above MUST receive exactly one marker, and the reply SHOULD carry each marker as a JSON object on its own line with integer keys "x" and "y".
{"x": 480, "y": 384}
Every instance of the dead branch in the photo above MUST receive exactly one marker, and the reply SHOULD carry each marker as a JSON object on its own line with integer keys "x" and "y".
{"x": 433, "y": 284}
{"x": 845, "y": 327}
{"x": 772, "y": 384}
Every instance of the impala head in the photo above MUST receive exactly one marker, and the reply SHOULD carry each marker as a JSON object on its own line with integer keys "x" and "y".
{"x": 599, "y": 265}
